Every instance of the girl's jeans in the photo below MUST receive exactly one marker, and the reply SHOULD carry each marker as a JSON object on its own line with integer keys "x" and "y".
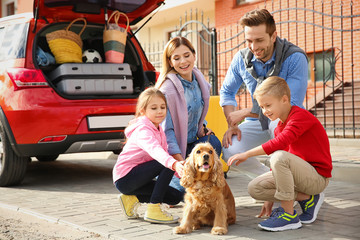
{"x": 140, "y": 182}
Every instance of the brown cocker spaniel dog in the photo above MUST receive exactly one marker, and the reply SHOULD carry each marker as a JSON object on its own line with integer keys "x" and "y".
{"x": 208, "y": 199}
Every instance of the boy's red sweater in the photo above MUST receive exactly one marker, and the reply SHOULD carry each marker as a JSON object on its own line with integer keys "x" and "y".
{"x": 303, "y": 135}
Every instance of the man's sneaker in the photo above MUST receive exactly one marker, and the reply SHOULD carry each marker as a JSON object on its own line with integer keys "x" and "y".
{"x": 156, "y": 214}
{"x": 311, "y": 208}
{"x": 280, "y": 220}
{"x": 129, "y": 205}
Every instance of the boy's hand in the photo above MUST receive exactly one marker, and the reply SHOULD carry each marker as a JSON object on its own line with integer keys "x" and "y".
{"x": 266, "y": 209}
{"x": 237, "y": 158}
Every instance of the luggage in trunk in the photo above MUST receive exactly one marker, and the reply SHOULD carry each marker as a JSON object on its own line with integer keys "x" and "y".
{"x": 93, "y": 78}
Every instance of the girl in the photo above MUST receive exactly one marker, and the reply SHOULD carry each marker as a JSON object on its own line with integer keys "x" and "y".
{"x": 188, "y": 94}
{"x": 145, "y": 157}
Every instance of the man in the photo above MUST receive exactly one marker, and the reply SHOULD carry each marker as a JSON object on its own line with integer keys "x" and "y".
{"x": 266, "y": 55}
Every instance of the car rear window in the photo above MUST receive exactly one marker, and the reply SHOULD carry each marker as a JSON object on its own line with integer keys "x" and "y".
{"x": 126, "y": 6}
{"x": 13, "y": 41}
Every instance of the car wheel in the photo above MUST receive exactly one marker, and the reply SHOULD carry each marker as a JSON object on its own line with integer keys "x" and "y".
{"x": 12, "y": 167}
{"x": 49, "y": 158}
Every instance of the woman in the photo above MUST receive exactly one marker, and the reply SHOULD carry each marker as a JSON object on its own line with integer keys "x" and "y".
{"x": 187, "y": 93}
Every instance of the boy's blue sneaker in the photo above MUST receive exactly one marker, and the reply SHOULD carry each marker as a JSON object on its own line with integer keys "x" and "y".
{"x": 311, "y": 208}
{"x": 280, "y": 220}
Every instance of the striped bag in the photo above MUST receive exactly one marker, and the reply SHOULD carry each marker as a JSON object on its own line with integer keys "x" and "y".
{"x": 114, "y": 39}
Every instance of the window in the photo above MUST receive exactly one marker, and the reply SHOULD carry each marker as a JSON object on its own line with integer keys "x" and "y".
{"x": 10, "y": 9}
{"x": 321, "y": 66}
{"x": 238, "y": 2}
{"x": 14, "y": 44}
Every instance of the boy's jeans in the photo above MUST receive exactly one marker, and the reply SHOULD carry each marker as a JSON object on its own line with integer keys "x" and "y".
{"x": 290, "y": 174}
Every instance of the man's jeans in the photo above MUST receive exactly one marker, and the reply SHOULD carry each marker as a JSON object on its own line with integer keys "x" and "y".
{"x": 252, "y": 136}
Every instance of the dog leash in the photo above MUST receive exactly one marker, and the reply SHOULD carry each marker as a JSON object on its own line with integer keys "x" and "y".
{"x": 206, "y": 131}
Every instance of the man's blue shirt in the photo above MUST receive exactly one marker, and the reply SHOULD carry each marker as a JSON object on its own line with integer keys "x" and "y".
{"x": 294, "y": 70}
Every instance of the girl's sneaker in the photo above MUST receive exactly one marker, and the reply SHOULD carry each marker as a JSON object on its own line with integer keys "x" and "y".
{"x": 311, "y": 208}
{"x": 280, "y": 221}
{"x": 129, "y": 205}
{"x": 156, "y": 213}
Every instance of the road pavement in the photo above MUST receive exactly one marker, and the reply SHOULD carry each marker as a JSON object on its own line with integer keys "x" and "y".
{"x": 77, "y": 190}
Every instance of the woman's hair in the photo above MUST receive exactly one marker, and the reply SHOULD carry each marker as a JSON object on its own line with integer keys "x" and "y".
{"x": 168, "y": 51}
{"x": 274, "y": 86}
{"x": 145, "y": 97}
{"x": 258, "y": 17}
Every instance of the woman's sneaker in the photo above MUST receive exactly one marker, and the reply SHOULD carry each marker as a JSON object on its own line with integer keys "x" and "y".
{"x": 280, "y": 220}
{"x": 156, "y": 214}
{"x": 129, "y": 205}
{"x": 311, "y": 208}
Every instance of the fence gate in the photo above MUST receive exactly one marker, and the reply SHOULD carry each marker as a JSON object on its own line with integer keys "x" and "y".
{"x": 204, "y": 41}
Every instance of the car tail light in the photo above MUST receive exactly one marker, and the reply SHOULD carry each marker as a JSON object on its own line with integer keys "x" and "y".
{"x": 26, "y": 78}
{"x": 53, "y": 139}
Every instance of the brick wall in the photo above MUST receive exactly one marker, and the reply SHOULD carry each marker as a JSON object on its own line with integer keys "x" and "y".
{"x": 307, "y": 36}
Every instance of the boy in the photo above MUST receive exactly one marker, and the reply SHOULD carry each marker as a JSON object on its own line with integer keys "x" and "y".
{"x": 301, "y": 162}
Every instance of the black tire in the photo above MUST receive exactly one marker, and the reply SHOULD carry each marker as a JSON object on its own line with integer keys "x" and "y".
{"x": 49, "y": 158}
{"x": 12, "y": 167}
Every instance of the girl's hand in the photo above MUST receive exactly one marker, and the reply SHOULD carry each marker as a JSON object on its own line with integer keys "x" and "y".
{"x": 179, "y": 167}
{"x": 237, "y": 158}
{"x": 266, "y": 209}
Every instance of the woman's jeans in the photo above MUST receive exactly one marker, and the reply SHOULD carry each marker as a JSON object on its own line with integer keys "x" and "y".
{"x": 214, "y": 141}
{"x": 140, "y": 182}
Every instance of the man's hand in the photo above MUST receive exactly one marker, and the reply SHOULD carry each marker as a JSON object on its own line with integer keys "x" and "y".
{"x": 234, "y": 118}
{"x": 237, "y": 158}
{"x": 266, "y": 209}
{"x": 227, "y": 139}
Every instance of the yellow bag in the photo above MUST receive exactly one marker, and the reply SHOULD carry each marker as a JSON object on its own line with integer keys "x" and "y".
{"x": 114, "y": 39}
{"x": 66, "y": 45}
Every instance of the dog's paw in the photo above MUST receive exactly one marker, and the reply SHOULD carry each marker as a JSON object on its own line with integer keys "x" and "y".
{"x": 196, "y": 226}
{"x": 219, "y": 231}
{"x": 181, "y": 230}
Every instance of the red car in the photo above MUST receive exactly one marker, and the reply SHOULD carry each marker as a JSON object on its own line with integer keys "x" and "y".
{"x": 48, "y": 108}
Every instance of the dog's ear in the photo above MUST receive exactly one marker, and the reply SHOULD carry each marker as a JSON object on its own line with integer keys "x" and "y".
{"x": 217, "y": 174}
{"x": 189, "y": 172}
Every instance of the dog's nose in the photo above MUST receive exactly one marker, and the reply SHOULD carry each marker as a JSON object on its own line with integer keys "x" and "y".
{"x": 206, "y": 157}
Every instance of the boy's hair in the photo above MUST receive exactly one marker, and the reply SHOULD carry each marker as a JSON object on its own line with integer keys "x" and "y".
{"x": 258, "y": 17}
{"x": 168, "y": 51}
{"x": 145, "y": 97}
{"x": 274, "y": 86}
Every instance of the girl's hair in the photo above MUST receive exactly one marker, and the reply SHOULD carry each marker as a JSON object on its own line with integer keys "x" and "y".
{"x": 258, "y": 17}
{"x": 274, "y": 86}
{"x": 145, "y": 97}
{"x": 168, "y": 51}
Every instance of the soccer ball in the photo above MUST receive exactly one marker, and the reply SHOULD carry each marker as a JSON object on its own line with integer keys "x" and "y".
{"x": 91, "y": 56}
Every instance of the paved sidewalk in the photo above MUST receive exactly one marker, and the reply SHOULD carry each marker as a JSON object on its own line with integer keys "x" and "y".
{"x": 88, "y": 201}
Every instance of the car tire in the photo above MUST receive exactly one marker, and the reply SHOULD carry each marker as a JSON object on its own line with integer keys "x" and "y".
{"x": 49, "y": 158}
{"x": 12, "y": 167}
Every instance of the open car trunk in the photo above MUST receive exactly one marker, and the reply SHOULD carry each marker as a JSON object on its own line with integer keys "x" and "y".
{"x": 93, "y": 80}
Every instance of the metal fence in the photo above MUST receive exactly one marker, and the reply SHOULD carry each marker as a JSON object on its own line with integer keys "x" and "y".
{"x": 328, "y": 32}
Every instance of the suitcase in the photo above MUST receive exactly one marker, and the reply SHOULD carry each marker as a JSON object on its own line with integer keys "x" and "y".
{"x": 93, "y": 78}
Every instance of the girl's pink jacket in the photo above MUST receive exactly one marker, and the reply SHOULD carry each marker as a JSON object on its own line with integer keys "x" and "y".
{"x": 144, "y": 143}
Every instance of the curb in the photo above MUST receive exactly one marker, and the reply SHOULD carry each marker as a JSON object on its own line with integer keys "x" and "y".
{"x": 346, "y": 142}
{"x": 51, "y": 219}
